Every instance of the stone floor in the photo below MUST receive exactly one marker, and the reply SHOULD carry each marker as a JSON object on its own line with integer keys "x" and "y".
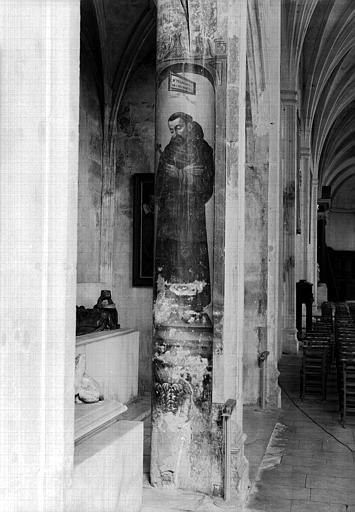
{"x": 306, "y": 468}
{"x": 299, "y": 468}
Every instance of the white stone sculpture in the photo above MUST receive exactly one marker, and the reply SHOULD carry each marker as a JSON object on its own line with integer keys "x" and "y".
{"x": 87, "y": 389}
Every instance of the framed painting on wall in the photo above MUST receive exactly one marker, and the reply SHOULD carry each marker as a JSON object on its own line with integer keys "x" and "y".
{"x": 143, "y": 229}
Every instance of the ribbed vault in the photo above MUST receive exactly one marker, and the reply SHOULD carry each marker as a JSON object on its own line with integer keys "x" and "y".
{"x": 320, "y": 62}
{"x": 115, "y": 36}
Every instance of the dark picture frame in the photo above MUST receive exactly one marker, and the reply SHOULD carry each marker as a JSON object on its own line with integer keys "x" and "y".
{"x": 143, "y": 229}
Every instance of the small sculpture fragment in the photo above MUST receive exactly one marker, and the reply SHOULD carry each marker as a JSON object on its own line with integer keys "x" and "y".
{"x": 102, "y": 316}
{"x": 87, "y": 389}
{"x": 106, "y": 304}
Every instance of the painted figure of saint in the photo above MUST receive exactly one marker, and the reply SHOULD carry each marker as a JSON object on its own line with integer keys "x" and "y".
{"x": 184, "y": 184}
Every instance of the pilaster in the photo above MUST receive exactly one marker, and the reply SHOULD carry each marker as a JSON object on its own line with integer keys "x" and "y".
{"x": 109, "y": 150}
{"x": 272, "y": 11}
{"x": 233, "y": 265}
{"x": 262, "y": 211}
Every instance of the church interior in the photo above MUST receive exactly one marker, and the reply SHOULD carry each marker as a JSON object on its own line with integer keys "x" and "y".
{"x": 177, "y": 255}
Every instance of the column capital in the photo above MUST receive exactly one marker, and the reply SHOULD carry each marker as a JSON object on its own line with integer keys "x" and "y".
{"x": 306, "y": 136}
{"x": 305, "y": 151}
{"x": 289, "y": 97}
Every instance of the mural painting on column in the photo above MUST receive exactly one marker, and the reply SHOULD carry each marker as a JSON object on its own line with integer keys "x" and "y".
{"x": 182, "y": 345}
{"x": 184, "y": 184}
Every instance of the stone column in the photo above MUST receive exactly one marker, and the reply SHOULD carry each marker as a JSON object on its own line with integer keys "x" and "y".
{"x": 321, "y": 244}
{"x": 197, "y": 92}
{"x": 289, "y": 173}
{"x": 185, "y": 137}
{"x": 305, "y": 155}
{"x": 39, "y": 91}
{"x": 313, "y": 256}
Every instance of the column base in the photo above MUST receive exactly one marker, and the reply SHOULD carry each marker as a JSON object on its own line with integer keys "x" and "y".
{"x": 181, "y": 452}
{"x": 290, "y": 343}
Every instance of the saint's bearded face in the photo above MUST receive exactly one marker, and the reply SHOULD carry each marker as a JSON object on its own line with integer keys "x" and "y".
{"x": 179, "y": 130}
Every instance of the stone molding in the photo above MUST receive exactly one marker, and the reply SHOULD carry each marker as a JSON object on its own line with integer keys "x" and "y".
{"x": 289, "y": 97}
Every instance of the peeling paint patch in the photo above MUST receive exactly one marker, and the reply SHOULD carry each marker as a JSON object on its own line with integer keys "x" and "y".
{"x": 182, "y": 396}
{"x": 174, "y": 303}
{"x": 187, "y": 289}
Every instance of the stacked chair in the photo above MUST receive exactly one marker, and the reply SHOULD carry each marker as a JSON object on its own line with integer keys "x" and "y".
{"x": 345, "y": 358}
{"x": 318, "y": 350}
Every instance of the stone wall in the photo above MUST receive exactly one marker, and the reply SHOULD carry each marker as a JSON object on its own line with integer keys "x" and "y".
{"x": 136, "y": 132}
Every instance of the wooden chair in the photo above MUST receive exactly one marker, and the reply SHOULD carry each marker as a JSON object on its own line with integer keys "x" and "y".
{"x": 314, "y": 369}
{"x": 348, "y": 387}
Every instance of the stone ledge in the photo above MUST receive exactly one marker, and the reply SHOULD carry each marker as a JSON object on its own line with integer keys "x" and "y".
{"x": 92, "y": 337}
{"x": 92, "y": 418}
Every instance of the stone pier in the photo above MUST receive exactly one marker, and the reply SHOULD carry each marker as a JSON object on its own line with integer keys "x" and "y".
{"x": 289, "y": 171}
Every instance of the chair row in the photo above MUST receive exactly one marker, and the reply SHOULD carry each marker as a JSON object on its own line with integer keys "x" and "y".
{"x": 318, "y": 350}
{"x": 345, "y": 360}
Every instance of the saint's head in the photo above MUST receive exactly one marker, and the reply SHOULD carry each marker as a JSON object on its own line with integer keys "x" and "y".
{"x": 180, "y": 126}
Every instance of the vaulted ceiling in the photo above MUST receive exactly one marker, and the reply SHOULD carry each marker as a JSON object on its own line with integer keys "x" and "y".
{"x": 115, "y": 36}
{"x": 319, "y": 58}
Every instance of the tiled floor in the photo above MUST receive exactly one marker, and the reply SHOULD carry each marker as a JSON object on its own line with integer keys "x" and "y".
{"x": 312, "y": 473}
{"x": 316, "y": 472}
